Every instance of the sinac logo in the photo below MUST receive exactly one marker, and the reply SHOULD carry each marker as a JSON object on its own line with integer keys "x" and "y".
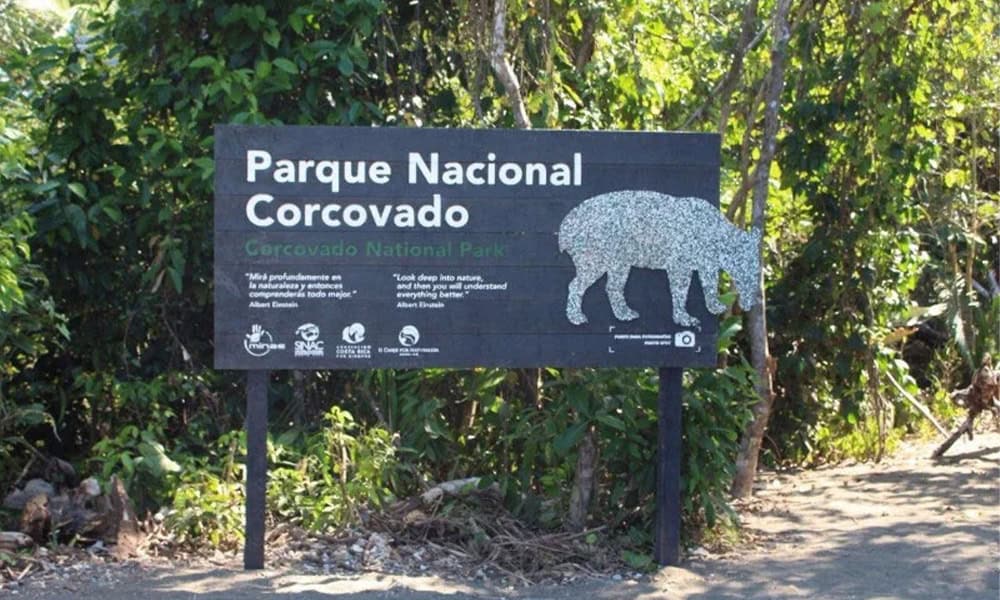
{"x": 409, "y": 336}
{"x": 354, "y": 333}
{"x": 308, "y": 332}
{"x": 309, "y": 345}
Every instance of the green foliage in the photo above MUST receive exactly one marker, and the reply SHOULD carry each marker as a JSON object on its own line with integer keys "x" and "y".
{"x": 140, "y": 461}
{"x": 319, "y": 480}
{"x": 208, "y": 510}
{"x": 208, "y": 503}
{"x": 30, "y": 324}
{"x": 529, "y": 449}
{"x": 112, "y": 161}
{"x": 323, "y": 482}
{"x": 872, "y": 149}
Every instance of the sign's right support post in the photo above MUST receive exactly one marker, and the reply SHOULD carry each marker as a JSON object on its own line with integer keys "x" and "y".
{"x": 667, "y": 538}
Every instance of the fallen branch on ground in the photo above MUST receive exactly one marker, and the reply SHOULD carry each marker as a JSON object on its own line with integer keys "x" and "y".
{"x": 917, "y": 404}
{"x": 982, "y": 395}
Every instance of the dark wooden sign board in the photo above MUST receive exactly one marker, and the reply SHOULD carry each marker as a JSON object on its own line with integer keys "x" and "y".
{"x": 350, "y": 248}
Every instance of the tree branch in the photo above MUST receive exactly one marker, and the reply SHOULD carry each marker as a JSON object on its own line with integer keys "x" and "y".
{"x": 727, "y": 84}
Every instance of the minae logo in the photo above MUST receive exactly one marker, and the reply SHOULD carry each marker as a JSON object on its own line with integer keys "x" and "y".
{"x": 259, "y": 341}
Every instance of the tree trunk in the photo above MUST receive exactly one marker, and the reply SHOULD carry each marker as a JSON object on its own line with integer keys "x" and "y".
{"x": 746, "y": 461}
{"x": 530, "y": 378}
{"x": 583, "y": 483}
{"x": 586, "y": 464}
{"x": 299, "y": 397}
{"x": 506, "y": 75}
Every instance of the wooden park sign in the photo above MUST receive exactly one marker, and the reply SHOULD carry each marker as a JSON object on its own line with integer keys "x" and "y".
{"x": 351, "y": 248}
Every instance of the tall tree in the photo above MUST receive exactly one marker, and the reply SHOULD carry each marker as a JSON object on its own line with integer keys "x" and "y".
{"x": 746, "y": 461}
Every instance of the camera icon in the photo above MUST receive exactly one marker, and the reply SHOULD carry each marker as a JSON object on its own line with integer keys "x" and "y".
{"x": 684, "y": 339}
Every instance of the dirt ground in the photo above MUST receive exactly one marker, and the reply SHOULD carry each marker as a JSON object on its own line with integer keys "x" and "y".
{"x": 907, "y": 528}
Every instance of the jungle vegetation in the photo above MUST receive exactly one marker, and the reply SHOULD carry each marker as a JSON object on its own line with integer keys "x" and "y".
{"x": 881, "y": 184}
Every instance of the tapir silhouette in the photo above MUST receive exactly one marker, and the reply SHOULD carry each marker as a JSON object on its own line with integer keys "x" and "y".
{"x": 611, "y": 233}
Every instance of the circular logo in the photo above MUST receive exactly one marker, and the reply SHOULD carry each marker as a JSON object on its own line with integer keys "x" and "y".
{"x": 409, "y": 335}
{"x": 354, "y": 333}
{"x": 309, "y": 332}
{"x": 258, "y": 342}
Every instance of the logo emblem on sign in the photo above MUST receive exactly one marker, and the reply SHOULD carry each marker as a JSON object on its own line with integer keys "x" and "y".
{"x": 259, "y": 341}
{"x": 309, "y": 345}
{"x": 409, "y": 336}
{"x": 354, "y": 333}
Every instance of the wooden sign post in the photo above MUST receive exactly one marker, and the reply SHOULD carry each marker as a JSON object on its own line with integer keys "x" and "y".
{"x": 667, "y": 537}
{"x": 256, "y": 467}
{"x": 347, "y": 248}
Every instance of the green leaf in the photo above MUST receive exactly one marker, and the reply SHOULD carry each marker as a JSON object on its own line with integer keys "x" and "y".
{"x": 77, "y": 218}
{"x": 637, "y": 560}
{"x": 345, "y": 65}
{"x": 78, "y": 189}
{"x": 128, "y": 464}
{"x": 203, "y": 61}
{"x": 207, "y": 166}
{"x": 263, "y": 69}
{"x": 113, "y": 213}
{"x": 612, "y": 421}
{"x": 295, "y": 21}
{"x": 41, "y": 188}
{"x": 31, "y": 415}
{"x": 286, "y": 65}
{"x": 175, "y": 278}
{"x": 272, "y": 38}
{"x": 569, "y": 438}
{"x": 156, "y": 459}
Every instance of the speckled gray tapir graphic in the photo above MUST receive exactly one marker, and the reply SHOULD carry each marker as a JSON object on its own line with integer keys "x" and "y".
{"x": 613, "y": 232}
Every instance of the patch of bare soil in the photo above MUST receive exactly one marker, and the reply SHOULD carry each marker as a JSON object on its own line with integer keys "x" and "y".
{"x": 909, "y": 527}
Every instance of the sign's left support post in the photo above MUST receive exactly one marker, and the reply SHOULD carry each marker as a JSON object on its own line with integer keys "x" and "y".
{"x": 256, "y": 469}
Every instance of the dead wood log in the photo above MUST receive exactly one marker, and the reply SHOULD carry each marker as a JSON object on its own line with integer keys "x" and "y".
{"x": 449, "y": 488}
{"x": 11, "y": 541}
{"x": 121, "y": 526}
{"x": 68, "y": 515}
{"x": 82, "y": 513}
{"x": 36, "y": 520}
{"x": 982, "y": 395}
{"x": 17, "y": 499}
{"x": 965, "y": 427}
